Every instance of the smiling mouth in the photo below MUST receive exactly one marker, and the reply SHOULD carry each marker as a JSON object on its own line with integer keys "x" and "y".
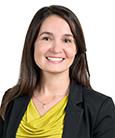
{"x": 55, "y": 59}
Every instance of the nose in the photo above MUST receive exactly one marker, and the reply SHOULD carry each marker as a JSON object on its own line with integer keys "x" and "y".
{"x": 56, "y": 47}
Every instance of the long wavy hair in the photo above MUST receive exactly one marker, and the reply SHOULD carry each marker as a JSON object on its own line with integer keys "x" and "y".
{"x": 30, "y": 73}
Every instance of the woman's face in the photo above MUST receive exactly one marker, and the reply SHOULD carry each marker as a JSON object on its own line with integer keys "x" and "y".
{"x": 55, "y": 47}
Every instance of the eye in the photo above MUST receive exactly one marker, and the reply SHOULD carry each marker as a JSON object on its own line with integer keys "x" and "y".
{"x": 66, "y": 40}
{"x": 46, "y": 38}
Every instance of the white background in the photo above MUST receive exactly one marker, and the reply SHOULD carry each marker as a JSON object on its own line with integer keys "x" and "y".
{"x": 98, "y": 21}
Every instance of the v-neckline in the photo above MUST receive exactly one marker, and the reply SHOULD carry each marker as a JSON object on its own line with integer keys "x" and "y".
{"x": 50, "y": 110}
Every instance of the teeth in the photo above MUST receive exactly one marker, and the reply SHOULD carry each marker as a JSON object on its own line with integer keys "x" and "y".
{"x": 54, "y": 59}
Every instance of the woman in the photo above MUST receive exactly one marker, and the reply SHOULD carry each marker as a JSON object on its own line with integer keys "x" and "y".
{"x": 53, "y": 97}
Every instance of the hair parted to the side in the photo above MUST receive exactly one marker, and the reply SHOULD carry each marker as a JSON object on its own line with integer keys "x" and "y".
{"x": 30, "y": 73}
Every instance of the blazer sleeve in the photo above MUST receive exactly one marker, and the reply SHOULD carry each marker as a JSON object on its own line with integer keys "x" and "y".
{"x": 1, "y": 127}
{"x": 4, "y": 123}
{"x": 105, "y": 120}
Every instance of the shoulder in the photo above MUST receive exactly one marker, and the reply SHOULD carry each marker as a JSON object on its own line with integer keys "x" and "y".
{"x": 100, "y": 107}
{"x": 94, "y": 98}
{"x": 90, "y": 98}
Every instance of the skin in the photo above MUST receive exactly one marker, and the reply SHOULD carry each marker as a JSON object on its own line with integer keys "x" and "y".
{"x": 54, "y": 53}
{"x": 55, "y": 40}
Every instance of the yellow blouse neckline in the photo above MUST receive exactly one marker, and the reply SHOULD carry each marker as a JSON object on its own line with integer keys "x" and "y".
{"x": 52, "y": 109}
{"x": 49, "y": 125}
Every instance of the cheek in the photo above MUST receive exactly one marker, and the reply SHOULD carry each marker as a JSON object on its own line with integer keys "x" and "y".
{"x": 40, "y": 53}
{"x": 71, "y": 52}
{"x": 39, "y": 50}
{"x": 37, "y": 54}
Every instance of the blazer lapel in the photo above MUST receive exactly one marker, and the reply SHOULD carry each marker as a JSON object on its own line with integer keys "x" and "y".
{"x": 19, "y": 107}
{"x": 74, "y": 112}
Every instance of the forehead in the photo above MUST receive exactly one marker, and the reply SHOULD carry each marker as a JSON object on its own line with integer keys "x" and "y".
{"x": 55, "y": 23}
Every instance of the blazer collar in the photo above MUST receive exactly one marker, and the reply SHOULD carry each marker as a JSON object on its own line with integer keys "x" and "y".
{"x": 74, "y": 112}
{"x": 76, "y": 95}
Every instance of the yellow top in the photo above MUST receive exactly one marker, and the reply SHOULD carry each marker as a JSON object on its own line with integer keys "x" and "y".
{"x": 50, "y": 125}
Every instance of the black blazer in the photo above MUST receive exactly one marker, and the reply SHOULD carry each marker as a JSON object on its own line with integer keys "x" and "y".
{"x": 89, "y": 114}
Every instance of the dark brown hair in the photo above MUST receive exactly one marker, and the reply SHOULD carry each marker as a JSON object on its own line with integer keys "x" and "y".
{"x": 29, "y": 77}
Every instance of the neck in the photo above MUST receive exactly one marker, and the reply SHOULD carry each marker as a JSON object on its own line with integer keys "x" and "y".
{"x": 55, "y": 84}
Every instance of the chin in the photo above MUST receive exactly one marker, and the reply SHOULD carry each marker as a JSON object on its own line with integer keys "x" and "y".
{"x": 57, "y": 71}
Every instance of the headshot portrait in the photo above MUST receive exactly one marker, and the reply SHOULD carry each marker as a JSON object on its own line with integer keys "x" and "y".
{"x": 53, "y": 97}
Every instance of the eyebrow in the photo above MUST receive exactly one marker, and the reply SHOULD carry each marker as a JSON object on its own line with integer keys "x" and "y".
{"x": 69, "y": 35}
{"x": 49, "y": 33}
